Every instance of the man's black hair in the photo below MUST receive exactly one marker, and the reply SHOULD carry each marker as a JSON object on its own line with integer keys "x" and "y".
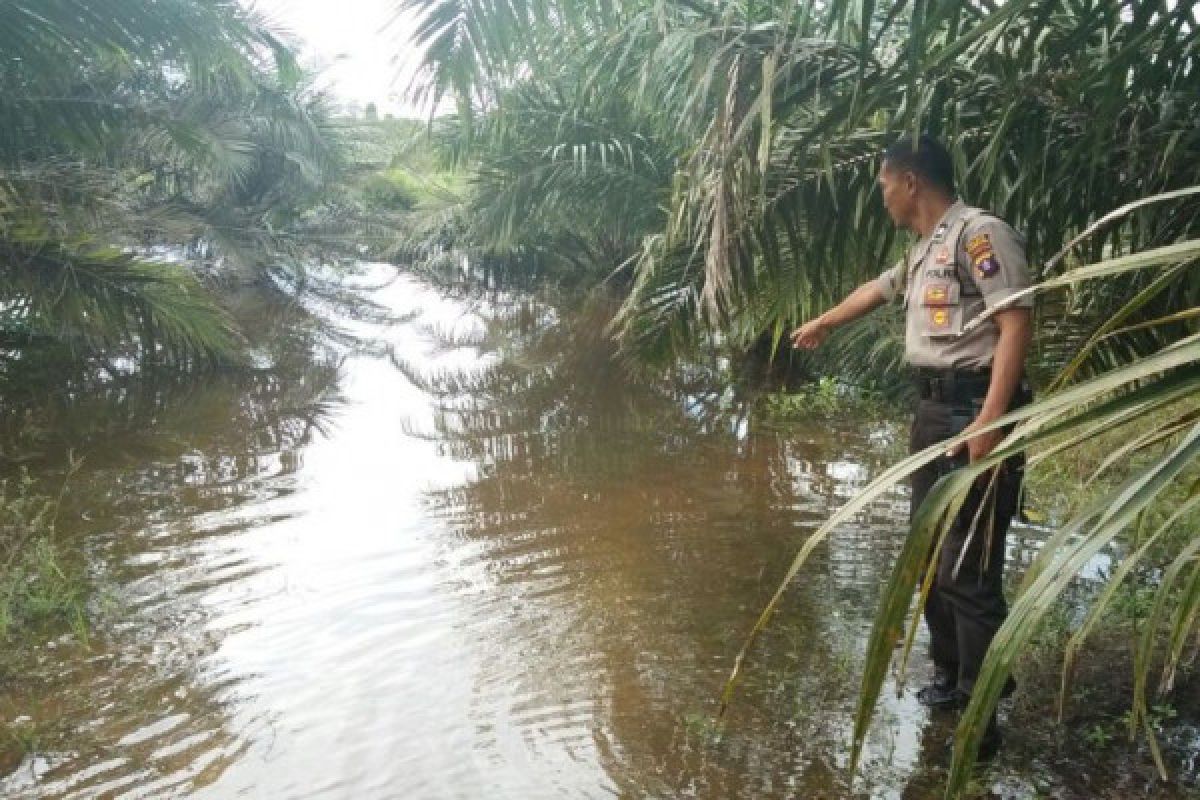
{"x": 926, "y": 158}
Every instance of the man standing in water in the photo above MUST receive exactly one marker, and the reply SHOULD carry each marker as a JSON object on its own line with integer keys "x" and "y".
{"x": 965, "y": 262}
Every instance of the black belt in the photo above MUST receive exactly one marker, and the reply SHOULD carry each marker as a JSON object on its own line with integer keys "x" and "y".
{"x": 952, "y": 385}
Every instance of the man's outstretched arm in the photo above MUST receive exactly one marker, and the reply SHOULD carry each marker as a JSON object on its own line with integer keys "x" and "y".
{"x": 861, "y": 301}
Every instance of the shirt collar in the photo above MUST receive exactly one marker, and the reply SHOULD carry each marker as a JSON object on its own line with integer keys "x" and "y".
{"x": 949, "y": 217}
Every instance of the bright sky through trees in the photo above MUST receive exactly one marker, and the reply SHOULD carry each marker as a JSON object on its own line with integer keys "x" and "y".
{"x": 360, "y": 47}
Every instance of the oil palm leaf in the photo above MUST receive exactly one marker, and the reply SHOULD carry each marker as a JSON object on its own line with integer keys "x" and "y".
{"x": 91, "y": 297}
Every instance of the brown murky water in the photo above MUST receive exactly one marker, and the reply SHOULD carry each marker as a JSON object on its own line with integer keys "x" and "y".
{"x": 458, "y": 554}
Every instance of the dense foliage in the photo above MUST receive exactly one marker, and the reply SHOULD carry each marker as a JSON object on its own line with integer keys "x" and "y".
{"x": 151, "y": 149}
{"x": 725, "y": 154}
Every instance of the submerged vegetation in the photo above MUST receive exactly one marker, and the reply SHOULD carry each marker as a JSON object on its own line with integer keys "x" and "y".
{"x": 39, "y": 586}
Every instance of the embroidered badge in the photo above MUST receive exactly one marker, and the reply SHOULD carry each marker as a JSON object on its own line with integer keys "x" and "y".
{"x": 940, "y": 318}
{"x": 936, "y": 295}
{"x": 942, "y": 255}
{"x": 983, "y": 257}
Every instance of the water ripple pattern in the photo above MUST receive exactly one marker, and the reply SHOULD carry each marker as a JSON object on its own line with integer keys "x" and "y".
{"x": 460, "y": 553}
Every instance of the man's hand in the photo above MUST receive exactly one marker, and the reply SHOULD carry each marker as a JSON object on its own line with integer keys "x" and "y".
{"x": 978, "y": 446}
{"x": 810, "y": 335}
{"x": 1015, "y": 333}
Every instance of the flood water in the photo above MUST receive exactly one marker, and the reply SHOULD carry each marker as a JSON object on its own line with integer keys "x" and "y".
{"x": 455, "y": 551}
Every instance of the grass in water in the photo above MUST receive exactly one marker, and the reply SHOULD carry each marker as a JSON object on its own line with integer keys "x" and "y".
{"x": 821, "y": 399}
{"x": 40, "y": 588}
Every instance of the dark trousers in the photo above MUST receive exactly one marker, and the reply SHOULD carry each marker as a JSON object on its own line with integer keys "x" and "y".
{"x": 966, "y": 603}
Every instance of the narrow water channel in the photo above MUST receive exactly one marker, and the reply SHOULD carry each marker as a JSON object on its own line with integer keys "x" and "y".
{"x": 453, "y": 550}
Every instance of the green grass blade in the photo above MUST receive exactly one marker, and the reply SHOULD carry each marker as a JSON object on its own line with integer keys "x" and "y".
{"x": 1150, "y": 628}
{"x": 1139, "y": 443}
{"x": 1185, "y": 621}
{"x": 1118, "y": 213}
{"x": 1112, "y": 324}
{"x": 932, "y": 519}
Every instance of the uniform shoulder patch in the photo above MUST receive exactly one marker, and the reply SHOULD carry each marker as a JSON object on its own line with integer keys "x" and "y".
{"x": 983, "y": 255}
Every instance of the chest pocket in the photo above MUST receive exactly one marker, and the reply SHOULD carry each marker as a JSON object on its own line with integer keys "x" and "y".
{"x": 940, "y": 301}
{"x": 939, "y": 307}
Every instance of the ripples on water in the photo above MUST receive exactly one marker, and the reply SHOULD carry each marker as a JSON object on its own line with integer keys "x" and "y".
{"x": 457, "y": 555}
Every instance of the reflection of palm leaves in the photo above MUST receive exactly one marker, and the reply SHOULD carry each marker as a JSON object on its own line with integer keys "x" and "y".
{"x": 447, "y": 339}
{"x": 552, "y": 381}
{"x": 251, "y": 409}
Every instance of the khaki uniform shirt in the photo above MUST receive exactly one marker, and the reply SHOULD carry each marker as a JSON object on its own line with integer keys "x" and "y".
{"x": 971, "y": 262}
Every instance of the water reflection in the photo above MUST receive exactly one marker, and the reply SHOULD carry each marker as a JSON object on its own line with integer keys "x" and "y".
{"x": 162, "y": 457}
{"x": 451, "y": 547}
{"x": 628, "y": 542}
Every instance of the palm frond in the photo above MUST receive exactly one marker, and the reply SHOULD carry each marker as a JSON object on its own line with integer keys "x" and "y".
{"x": 90, "y": 297}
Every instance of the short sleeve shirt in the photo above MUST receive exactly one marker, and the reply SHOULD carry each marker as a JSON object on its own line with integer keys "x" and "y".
{"x": 972, "y": 261}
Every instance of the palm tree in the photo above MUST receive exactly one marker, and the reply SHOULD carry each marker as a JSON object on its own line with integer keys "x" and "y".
{"x": 144, "y": 138}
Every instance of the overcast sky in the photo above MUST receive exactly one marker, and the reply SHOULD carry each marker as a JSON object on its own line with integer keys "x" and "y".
{"x": 360, "y": 46}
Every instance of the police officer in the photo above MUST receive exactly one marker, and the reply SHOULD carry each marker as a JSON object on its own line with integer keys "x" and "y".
{"x": 968, "y": 374}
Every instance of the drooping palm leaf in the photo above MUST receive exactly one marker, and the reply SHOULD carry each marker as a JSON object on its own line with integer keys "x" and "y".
{"x": 1140, "y": 387}
{"x": 179, "y": 128}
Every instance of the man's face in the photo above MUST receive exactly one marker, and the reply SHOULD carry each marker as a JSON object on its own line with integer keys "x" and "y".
{"x": 899, "y": 189}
